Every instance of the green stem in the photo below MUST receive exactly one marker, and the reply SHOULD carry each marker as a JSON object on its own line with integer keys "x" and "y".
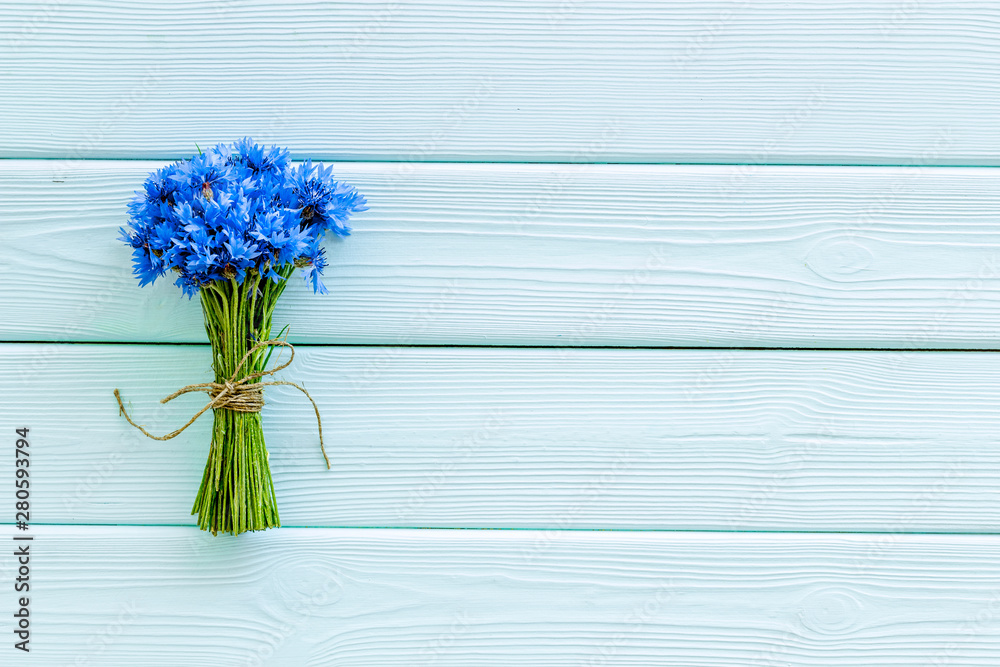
{"x": 237, "y": 493}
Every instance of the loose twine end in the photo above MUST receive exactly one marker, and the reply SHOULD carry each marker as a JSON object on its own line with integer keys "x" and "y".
{"x": 238, "y": 394}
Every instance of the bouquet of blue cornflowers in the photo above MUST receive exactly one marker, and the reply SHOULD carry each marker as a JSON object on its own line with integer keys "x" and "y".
{"x": 234, "y": 223}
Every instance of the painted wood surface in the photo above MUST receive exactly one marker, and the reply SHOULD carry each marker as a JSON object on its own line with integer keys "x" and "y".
{"x": 850, "y": 495}
{"x": 723, "y": 81}
{"x": 535, "y": 438}
{"x": 565, "y": 255}
{"x": 170, "y": 596}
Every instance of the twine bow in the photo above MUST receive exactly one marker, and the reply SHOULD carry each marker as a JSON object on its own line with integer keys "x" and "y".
{"x": 238, "y": 394}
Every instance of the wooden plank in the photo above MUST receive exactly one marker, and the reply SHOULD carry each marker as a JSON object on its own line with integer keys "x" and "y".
{"x": 723, "y": 81}
{"x": 168, "y": 596}
{"x": 565, "y": 255}
{"x": 535, "y": 438}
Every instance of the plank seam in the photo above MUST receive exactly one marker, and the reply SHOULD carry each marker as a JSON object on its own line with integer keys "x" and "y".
{"x": 354, "y": 160}
{"x": 542, "y": 530}
{"x": 529, "y": 347}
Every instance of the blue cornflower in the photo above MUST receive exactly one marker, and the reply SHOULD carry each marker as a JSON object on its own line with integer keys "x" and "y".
{"x": 161, "y": 236}
{"x": 146, "y": 266}
{"x": 256, "y": 159}
{"x": 233, "y": 210}
{"x": 204, "y": 174}
{"x": 313, "y": 264}
{"x": 324, "y": 202}
{"x": 133, "y": 236}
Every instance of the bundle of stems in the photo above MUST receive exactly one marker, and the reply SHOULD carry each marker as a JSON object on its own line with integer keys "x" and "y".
{"x": 236, "y": 493}
{"x": 234, "y": 223}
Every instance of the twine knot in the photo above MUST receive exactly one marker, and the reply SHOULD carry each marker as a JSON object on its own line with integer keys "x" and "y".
{"x": 239, "y": 394}
{"x": 237, "y": 397}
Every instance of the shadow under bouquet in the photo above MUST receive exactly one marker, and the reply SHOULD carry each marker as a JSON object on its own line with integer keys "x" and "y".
{"x": 234, "y": 223}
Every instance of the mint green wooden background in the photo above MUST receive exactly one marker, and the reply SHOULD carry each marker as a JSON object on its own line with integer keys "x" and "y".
{"x": 694, "y": 304}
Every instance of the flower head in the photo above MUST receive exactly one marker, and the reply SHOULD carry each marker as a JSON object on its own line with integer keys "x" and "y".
{"x": 235, "y": 209}
{"x": 325, "y": 203}
{"x": 313, "y": 263}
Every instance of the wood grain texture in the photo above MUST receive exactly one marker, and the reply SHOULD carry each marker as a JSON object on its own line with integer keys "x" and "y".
{"x": 556, "y": 255}
{"x": 535, "y": 438}
{"x": 171, "y": 596}
{"x": 730, "y": 81}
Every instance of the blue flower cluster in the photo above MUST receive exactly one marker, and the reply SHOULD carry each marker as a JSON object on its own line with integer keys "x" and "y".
{"x": 234, "y": 209}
